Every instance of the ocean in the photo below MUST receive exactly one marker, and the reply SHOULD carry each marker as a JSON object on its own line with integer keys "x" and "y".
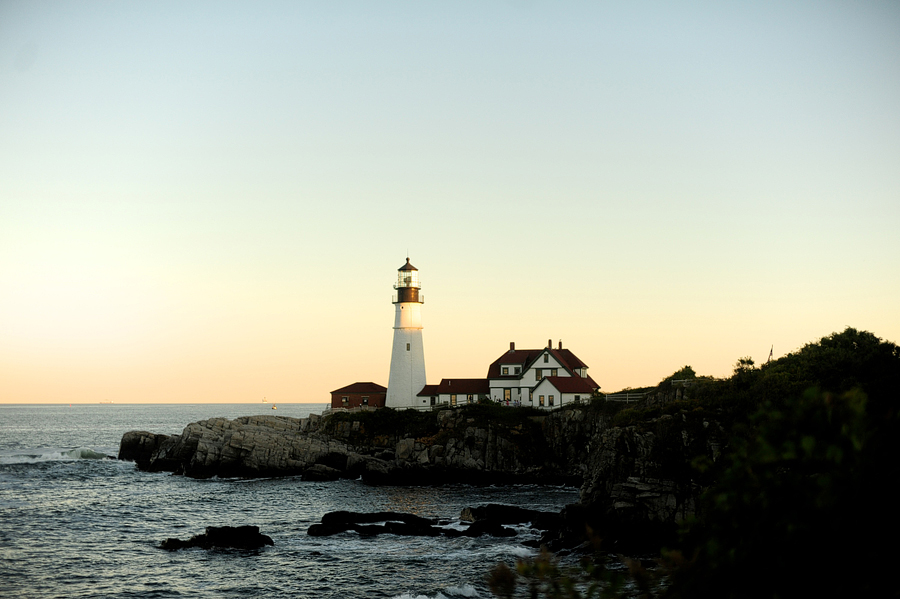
{"x": 76, "y": 525}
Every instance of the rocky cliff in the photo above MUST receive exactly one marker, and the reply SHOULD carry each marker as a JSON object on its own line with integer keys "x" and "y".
{"x": 633, "y": 474}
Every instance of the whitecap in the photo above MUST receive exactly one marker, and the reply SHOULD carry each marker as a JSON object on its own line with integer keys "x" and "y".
{"x": 520, "y": 551}
{"x": 36, "y": 456}
{"x": 465, "y": 590}
{"x": 86, "y": 453}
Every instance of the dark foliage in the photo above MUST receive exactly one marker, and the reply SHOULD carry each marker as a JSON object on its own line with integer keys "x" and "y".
{"x": 801, "y": 506}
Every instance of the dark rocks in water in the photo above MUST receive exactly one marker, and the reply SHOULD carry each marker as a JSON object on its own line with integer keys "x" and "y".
{"x": 510, "y": 514}
{"x": 394, "y": 523}
{"x": 326, "y": 530}
{"x": 139, "y": 447}
{"x": 237, "y": 537}
{"x": 321, "y": 473}
{"x": 345, "y": 517}
{"x": 484, "y": 527}
{"x": 586, "y": 528}
{"x": 399, "y": 524}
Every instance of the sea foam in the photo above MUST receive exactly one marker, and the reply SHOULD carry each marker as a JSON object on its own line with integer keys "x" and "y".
{"x": 32, "y": 457}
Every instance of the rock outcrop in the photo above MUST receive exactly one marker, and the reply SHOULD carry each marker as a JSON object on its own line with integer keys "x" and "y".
{"x": 636, "y": 480}
{"x": 139, "y": 447}
{"x": 234, "y": 537}
{"x": 483, "y": 520}
{"x": 254, "y": 446}
{"x": 640, "y": 483}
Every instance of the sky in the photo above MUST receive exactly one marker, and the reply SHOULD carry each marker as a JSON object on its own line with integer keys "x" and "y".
{"x": 209, "y": 201}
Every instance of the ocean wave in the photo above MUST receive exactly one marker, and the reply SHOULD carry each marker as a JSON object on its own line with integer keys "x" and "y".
{"x": 465, "y": 590}
{"x": 59, "y": 455}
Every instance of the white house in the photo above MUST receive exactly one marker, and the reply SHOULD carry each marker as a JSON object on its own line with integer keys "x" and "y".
{"x": 520, "y": 377}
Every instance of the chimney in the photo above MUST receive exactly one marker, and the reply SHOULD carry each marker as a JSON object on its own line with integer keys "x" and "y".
{"x": 560, "y": 344}
{"x": 549, "y": 343}
{"x": 512, "y": 346}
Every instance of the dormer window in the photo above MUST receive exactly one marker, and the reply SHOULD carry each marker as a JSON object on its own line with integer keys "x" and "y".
{"x": 517, "y": 370}
{"x": 505, "y": 370}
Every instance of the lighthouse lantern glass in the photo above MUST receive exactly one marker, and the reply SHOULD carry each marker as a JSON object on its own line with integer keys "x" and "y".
{"x": 408, "y": 278}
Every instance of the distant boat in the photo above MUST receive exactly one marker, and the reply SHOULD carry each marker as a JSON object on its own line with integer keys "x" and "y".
{"x": 106, "y": 401}
{"x": 274, "y": 407}
{"x": 265, "y": 400}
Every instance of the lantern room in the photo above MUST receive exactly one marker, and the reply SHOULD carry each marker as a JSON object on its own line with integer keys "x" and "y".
{"x": 407, "y": 285}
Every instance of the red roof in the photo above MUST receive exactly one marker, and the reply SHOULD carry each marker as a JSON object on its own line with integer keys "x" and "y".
{"x": 407, "y": 266}
{"x": 429, "y": 390}
{"x": 572, "y": 384}
{"x": 459, "y": 386}
{"x": 362, "y": 388}
{"x": 515, "y": 357}
{"x": 526, "y": 358}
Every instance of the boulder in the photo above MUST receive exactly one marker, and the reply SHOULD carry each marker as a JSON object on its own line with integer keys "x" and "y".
{"x": 320, "y": 472}
{"x": 237, "y": 537}
{"x": 139, "y": 446}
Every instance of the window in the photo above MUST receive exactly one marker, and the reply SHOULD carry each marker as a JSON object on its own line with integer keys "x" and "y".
{"x": 537, "y": 374}
{"x": 453, "y": 399}
{"x": 553, "y": 372}
{"x": 469, "y": 398}
{"x": 365, "y": 401}
{"x": 531, "y": 395}
{"x": 577, "y": 399}
{"x": 505, "y": 371}
{"x": 407, "y": 347}
{"x": 540, "y": 400}
{"x": 433, "y": 400}
{"x": 550, "y": 400}
{"x": 517, "y": 370}
{"x": 546, "y": 358}
{"x": 507, "y": 395}
{"x": 345, "y": 400}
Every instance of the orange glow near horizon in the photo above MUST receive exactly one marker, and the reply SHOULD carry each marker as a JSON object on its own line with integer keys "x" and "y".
{"x": 220, "y": 217}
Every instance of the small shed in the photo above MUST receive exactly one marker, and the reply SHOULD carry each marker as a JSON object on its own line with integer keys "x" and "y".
{"x": 359, "y": 394}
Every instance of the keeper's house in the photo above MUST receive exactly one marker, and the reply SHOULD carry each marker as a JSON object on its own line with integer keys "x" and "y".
{"x": 542, "y": 378}
{"x": 359, "y": 394}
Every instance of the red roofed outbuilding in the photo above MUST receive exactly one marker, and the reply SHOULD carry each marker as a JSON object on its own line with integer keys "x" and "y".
{"x": 456, "y": 392}
{"x": 359, "y": 394}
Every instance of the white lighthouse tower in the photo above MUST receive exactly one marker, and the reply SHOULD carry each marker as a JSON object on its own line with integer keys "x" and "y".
{"x": 408, "y": 355}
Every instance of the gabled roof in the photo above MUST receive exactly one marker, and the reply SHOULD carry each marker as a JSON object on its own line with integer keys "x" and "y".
{"x": 527, "y": 357}
{"x": 513, "y": 356}
{"x": 572, "y": 384}
{"x": 568, "y": 359}
{"x": 458, "y": 386}
{"x": 362, "y": 388}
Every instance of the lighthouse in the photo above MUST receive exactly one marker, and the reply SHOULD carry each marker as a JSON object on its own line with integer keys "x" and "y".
{"x": 408, "y": 355}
